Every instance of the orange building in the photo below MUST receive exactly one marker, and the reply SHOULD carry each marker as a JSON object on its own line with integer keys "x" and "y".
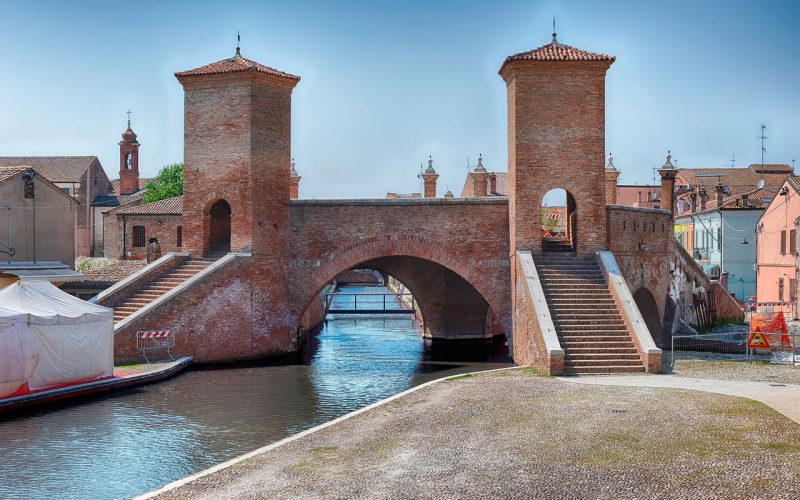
{"x": 776, "y": 245}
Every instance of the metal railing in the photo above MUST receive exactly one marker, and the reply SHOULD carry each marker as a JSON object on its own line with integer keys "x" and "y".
{"x": 369, "y": 303}
{"x": 784, "y": 348}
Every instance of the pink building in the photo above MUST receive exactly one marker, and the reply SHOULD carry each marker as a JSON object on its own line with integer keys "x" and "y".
{"x": 776, "y": 245}
{"x": 639, "y": 196}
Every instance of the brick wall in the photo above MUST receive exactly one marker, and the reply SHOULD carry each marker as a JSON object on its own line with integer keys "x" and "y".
{"x": 461, "y": 237}
{"x": 647, "y": 267}
{"x": 162, "y": 227}
{"x": 556, "y": 139}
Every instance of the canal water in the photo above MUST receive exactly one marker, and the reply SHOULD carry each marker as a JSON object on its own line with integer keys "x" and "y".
{"x": 133, "y": 441}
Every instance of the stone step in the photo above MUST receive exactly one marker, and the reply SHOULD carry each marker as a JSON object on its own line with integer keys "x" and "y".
{"x": 603, "y": 369}
{"x": 573, "y": 350}
{"x": 603, "y": 362}
{"x": 599, "y": 345}
{"x": 594, "y": 339}
{"x": 569, "y": 318}
{"x": 591, "y": 330}
{"x": 600, "y": 356}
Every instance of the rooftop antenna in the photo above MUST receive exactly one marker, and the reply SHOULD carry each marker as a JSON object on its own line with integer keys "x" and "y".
{"x": 129, "y": 118}
{"x": 792, "y": 164}
{"x": 733, "y": 161}
{"x": 763, "y": 138}
{"x": 238, "y": 42}
{"x": 554, "y": 30}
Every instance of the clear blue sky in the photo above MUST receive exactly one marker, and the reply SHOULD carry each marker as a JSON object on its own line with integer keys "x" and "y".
{"x": 385, "y": 84}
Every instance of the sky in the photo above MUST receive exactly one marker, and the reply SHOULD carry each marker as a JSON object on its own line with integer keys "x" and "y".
{"x": 386, "y": 84}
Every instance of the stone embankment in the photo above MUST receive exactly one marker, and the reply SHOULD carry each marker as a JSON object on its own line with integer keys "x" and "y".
{"x": 514, "y": 434}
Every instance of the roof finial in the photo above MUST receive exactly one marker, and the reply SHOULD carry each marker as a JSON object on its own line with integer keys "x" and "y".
{"x": 293, "y": 171}
{"x": 238, "y": 42}
{"x": 610, "y": 164}
{"x": 129, "y": 118}
{"x": 430, "y": 169}
{"x": 554, "y": 30}
{"x": 668, "y": 163}
{"x": 480, "y": 167}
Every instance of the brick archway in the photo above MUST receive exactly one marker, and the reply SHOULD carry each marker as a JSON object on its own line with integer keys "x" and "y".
{"x": 565, "y": 234}
{"x": 489, "y": 284}
{"x": 648, "y": 307}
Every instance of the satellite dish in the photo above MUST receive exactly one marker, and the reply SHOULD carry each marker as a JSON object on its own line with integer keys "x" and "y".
{"x": 760, "y": 183}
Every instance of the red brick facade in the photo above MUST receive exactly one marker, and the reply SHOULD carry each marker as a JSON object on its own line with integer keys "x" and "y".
{"x": 119, "y": 241}
{"x": 455, "y": 256}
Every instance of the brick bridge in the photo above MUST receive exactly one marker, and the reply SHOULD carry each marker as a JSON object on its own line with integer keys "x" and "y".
{"x": 249, "y": 285}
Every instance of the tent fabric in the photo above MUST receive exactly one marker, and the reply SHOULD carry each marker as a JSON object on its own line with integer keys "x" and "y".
{"x": 18, "y": 357}
{"x": 73, "y": 338}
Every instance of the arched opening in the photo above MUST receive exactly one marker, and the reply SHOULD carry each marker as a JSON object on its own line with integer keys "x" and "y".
{"x": 559, "y": 221}
{"x": 449, "y": 306}
{"x": 649, "y": 310}
{"x": 219, "y": 240}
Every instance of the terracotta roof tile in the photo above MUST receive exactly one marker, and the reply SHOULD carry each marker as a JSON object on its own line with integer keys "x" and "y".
{"x": 54, "y": 168}
{"x": 555, "y": 51}
{"x": 235, "y": 64}
{"x": 114, "y": 271}
{"x": 501, "y": 190}
{"x": 170, "y": 206}
{"x": 7, "y": 173}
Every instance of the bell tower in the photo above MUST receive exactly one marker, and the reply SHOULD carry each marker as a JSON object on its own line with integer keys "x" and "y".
{"x": 128, "y": 161}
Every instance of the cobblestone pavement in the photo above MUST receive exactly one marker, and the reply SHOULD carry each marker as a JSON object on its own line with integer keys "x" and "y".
{"x": 512, "y": 434}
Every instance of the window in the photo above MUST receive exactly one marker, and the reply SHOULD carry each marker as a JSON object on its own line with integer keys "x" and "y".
{"x": 719, "y": 238}
{"x": 793, "y": 242}
{"x": 138, "y": 236}
{"x": 780, "y": 289}
{"x": 792, "y": 289}
{"x": 180, "y": 236}
{"x": 783, "y": 243}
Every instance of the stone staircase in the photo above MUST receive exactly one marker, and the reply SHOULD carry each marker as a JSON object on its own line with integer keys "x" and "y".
{"x": 158, "y": 287}
{"x": 556, "y": 245}
{"x": 589, "y": 326}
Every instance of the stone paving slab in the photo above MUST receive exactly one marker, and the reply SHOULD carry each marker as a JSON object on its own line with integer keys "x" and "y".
{"x": 513, "y": 434}
{"x": 784, "y": 398}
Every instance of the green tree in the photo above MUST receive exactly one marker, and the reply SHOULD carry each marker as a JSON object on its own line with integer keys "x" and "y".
{"x": 167, "y": 184}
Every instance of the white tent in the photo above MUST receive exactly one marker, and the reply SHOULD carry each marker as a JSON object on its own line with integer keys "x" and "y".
{"x": 73, "y": 338}
{"x": 18, "y": 358}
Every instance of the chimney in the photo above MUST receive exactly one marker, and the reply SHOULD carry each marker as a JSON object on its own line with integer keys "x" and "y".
{"x": 479, "y": 179}
{"x": 492, "y": 184}
{"x": 429, "y": 177}
{"x": 703, "y": 198}
{"x": 693, "y": 202}
{"x": 612, "y": 175}
{"x": 668, "y": 173}
{"x": 719, "y": 189}
{"x": 745, "y": 200}
{"x": 294, "y": 183}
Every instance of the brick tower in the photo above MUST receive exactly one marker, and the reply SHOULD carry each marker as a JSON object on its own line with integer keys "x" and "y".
{"x": 128, "y": 161}
{"x": 237, "y": 116}
{"x": 556, "y": 139}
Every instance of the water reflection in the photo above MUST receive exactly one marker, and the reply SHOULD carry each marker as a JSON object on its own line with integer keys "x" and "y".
{"x": 139, "y": 439}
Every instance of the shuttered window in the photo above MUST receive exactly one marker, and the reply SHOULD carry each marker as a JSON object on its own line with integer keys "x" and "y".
{"x": 138, "y": 236}
{"x": 793, "y": 289}
{"x": 783, "y": 243}
{"x": 780, "y": 289}
{"x": 793, "y": 241}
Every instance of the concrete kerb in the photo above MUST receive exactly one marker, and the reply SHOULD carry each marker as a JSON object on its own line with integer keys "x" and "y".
{"x": 539, "y": 301}
{"x": 294, "y": 437}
